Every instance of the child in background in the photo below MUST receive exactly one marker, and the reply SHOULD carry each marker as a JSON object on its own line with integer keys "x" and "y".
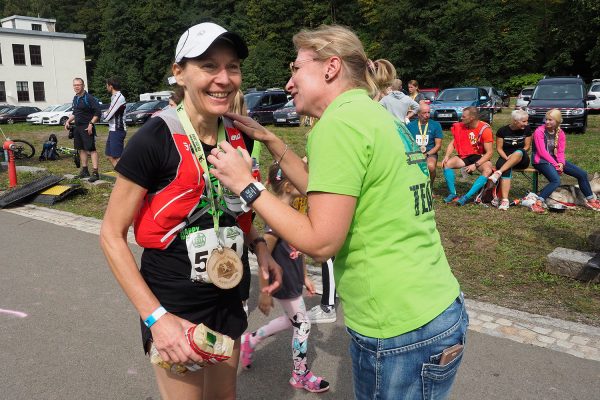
{"x": 289, "y": 297}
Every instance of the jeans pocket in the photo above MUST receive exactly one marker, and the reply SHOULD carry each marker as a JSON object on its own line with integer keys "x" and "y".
{"x": 438, "y": 379}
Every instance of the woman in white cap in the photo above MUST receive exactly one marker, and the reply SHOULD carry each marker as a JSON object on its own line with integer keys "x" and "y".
{"x": 190, "y": 229}
{"x": 370, "y": 204}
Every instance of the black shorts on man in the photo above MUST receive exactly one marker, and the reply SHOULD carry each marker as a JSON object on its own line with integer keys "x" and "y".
{"x": 471, "y": 159}
{"x": 82, "y": 140}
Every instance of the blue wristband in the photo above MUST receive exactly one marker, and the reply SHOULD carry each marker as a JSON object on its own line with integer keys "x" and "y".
{"x": 155, "y": 316}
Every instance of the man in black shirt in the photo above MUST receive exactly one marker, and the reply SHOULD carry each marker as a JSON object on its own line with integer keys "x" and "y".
{"x": 86, "y": 112}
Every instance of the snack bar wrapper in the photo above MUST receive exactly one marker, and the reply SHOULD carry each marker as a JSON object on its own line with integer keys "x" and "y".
{"x": 212, "y": 346}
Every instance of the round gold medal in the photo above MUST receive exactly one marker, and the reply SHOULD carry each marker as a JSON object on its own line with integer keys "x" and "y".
{"x": 423, "y": 149}
{"x": 224, "y": 268}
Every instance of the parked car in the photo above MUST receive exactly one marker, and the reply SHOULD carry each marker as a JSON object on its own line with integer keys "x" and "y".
{"x": 447, "y": 108}
{"x": 59, "y": 116}
{"x": 262, "y": 103}
{"x": 36, "y": 118}
{"x": 594, "y": 103}
{"x": 524, "y": 97}
{"x": 144, "y": 112}
{"x": 5, "y": 107}
{"x": 495, "y": 96}
{"x": 430, "y": 94}
{"x": 130, "y": 107}
{"x": 505, "y": 97}
{"x": 17, "y": 114}
{"x": 568, "y": 94}
{"x": 287, "y": 115}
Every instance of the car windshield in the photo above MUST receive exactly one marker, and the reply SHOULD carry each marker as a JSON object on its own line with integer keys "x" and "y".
{"x": 252, "y": 100}
{"x": 151, "y": 105}
{"x": 428, "y": 95}
{"x": 595, "y": 88}
{"x": 458, "y": 95}
{"x": 289, "y": 104}
{"x": 64, "y": 107}
{"x": 49, "y": 108}
{"x": 565, "y": 91}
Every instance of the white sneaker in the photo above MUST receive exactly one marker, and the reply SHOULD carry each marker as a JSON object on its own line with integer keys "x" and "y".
{"x": 495, "y": 202}
{"x": 504, "y": 204}
{"x": 317, "y": 315}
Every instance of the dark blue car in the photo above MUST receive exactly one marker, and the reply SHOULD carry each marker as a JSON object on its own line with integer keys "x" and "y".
{"x": 447, "y": 108}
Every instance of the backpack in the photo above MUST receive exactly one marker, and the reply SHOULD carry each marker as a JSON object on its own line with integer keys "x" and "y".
{"x": 487, "y": 193}
{"x": 49, "y": 152}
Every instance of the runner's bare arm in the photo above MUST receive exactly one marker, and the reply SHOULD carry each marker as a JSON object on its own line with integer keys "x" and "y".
{"x": 168, "y": 331}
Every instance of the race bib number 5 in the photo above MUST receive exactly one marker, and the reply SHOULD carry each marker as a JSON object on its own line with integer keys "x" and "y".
{"x": 201, "y": 244}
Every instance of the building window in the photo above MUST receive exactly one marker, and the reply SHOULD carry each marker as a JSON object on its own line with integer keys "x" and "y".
{"x": 22, "y": 91}
{"x": 19, "y": 54}
{"x": 39, "y": 94}
{"x": 35, "y": 55}
{"x": 2, "y": 92}
{"x": 36, "y": 27}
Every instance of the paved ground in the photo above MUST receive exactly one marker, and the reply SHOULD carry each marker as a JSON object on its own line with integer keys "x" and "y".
{"x": 68, "y": 332}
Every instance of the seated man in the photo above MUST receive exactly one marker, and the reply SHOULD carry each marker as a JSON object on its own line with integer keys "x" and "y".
{"x": 428, "y": 134}
{"x": 472, "y": 140}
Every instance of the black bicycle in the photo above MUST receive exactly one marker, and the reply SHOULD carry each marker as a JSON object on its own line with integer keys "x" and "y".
{"x": 22, "y": 149}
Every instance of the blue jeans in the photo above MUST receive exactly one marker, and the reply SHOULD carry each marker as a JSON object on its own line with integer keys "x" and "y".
{"x": 407, "y": 366}
{"x": 553, "y": 177}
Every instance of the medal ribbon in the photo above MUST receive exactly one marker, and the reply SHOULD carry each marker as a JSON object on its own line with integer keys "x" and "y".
{"x": 421, "y": 132}
{"x": 419, "y": 126}
{"x": 199, "y": 153}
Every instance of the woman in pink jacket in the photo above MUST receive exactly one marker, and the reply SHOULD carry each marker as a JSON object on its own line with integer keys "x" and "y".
{"x": 549, "y": 159}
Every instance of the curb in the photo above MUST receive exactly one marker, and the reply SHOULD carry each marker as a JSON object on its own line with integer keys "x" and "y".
{"x": 573, "y": 338}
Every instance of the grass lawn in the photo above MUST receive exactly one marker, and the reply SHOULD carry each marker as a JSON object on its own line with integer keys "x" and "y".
{"x": 498, "y": 257}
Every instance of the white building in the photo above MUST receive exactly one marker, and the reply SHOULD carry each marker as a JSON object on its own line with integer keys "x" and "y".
{"x": 37, "y": 64}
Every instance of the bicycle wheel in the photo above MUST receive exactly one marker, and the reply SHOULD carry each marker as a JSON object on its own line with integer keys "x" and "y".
{"x": 23, "y": 149}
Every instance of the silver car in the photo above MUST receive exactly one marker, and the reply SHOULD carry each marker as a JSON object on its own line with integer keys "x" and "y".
{"x": 495, "y": 96}
{"x": 594, "y": 104}
{"x": 524, "y": 97}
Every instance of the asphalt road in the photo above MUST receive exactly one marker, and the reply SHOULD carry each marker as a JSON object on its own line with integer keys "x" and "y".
{"x": 78, "y": 337}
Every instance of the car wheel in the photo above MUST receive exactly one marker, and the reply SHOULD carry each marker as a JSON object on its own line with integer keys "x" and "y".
{"x": 10, "y": 121}
{"x": 63, "y": 120}
{"x": 256, "y": 118}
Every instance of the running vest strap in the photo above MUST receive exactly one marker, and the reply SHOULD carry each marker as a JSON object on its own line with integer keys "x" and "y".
{"x": 155, "y": 225}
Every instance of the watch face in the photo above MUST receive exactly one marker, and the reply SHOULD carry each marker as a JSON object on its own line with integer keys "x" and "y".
{"x": 250, "y": 193}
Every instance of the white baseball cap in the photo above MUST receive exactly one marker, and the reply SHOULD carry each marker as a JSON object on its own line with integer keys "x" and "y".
{"x": 197, "y": 39}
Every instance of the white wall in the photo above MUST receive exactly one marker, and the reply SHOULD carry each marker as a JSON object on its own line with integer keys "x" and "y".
{"x": 22, "y": 23}
{"x": 62, "y": 60}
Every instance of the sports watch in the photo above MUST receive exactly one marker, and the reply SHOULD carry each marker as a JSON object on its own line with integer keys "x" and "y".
{"x": 249, "y": 194}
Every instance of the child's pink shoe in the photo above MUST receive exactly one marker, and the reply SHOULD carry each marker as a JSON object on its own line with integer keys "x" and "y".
{"x": 310, "y": 382}
{"x": 246, "y": 351}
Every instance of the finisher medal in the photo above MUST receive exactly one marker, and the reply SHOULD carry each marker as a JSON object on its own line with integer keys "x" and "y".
{"x": 224, "y": 268}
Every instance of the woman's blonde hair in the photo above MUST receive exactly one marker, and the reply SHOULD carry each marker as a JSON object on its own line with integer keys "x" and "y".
{"x": 238, "y": 106}
{"x": 556, "y": 115}
{"x": 335, "y": 40}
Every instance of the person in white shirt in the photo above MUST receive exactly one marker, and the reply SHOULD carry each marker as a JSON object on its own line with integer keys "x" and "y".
{"x": 115, "y": 116}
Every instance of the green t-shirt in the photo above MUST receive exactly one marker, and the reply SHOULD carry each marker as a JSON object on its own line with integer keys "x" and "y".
{"x": 391, "y": 272}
